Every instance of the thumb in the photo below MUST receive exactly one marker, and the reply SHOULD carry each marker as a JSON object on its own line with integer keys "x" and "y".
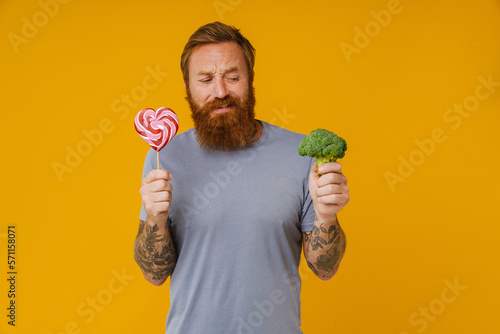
{"x": 314, "y": 167}
{"x": 314, "y": 171}
{"x": 313, "y": 181}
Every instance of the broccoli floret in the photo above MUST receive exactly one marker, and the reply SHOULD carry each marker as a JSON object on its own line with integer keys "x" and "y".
{"x": 323, "y": 145}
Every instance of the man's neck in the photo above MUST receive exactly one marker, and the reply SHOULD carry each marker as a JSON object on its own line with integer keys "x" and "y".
{"x": 259, "y": 129}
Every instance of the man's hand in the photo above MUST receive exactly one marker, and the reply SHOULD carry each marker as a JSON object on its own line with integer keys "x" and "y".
{"x": 156, "y": 193}
{"x": 329, "y": 192}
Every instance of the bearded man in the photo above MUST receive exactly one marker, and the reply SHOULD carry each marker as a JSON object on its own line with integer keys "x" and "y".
{"x": 229, "y": 215}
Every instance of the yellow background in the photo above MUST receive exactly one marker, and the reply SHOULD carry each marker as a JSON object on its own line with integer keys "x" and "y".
{"x": 406, "y": 242}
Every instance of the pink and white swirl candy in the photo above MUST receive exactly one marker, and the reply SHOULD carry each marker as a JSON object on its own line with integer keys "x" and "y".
{"x": 158, "y": 127}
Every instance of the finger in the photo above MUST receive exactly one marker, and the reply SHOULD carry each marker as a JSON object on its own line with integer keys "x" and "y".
{"x": 314, "y": 167}
{"x": 332, "y": 178}
{"x": 331, "y": 189}
{"x": 159, "y": 185}
{"x": 334, "y": 199}
{"x": 150, "y": 190}
{"x": 157, "y": 174}
{"x": 314, "y": 172}
{"x": 156, "y": 208}
{"x": 330, "y": 167}
{"x": 157, "y": 197}
{"x": 163, "y": 196}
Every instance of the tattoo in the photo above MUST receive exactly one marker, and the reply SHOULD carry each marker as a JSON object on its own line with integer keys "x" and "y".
{"x": 153, "y": 253}
{"x": 141, "y": 227}
{"x": 332, "y": 241}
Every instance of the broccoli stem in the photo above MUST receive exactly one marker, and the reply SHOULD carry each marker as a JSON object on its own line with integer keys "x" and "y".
{"x": 324, "y": 159}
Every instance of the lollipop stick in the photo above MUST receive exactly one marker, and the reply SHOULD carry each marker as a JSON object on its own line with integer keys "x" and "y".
{"x": 158, "y": 158}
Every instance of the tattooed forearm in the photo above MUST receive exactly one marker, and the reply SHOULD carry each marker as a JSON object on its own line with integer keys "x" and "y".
{"x": 154, "y": 252}
{"x": 324, "y": 249}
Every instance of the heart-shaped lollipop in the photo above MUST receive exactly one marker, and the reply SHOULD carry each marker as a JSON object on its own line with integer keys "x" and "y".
{"x": 158, "y": 127}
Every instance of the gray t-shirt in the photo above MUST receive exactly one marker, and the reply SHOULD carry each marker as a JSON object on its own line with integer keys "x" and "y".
{"x": 237, "y": 219}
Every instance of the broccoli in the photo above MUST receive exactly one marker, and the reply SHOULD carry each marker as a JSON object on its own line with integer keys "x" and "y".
{"x": 323, "y": 145}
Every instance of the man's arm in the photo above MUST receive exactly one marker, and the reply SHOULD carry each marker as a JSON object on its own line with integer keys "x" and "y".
{"x": 324, "y": 246}
{"x": 154, "y": 252}
{"x": 154, "y": 249}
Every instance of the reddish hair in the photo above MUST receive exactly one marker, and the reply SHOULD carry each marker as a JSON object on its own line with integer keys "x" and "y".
{"x": 217, "y": 32}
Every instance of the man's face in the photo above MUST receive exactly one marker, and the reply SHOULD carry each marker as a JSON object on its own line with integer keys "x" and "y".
{"x": 216, "y": 71}
{"x": 220, "y": 96}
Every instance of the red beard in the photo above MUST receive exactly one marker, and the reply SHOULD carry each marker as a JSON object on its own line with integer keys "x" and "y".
{"x": 226, "y": 131}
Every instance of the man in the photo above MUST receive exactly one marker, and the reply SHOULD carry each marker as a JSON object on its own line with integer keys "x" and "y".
{"x": 228, "y": 216}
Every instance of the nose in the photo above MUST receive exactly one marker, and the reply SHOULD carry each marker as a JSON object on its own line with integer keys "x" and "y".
{"x": 220, "y": 89}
